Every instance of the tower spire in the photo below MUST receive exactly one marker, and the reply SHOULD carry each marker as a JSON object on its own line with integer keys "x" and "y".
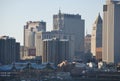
{"x": 98, "y": 19}
{"x": 59, "y": 10}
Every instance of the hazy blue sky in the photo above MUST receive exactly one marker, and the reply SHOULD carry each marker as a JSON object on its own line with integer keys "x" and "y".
{"x": 15, "y": 13}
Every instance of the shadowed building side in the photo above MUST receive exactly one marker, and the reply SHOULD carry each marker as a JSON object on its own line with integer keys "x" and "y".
{"x": 55, "y": 50}
{"x": 9, "y": 50}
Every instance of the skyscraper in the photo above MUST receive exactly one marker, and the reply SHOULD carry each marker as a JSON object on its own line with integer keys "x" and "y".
{"x": 17, "y": 54}
{"x": 71, "y": 24}
{"x": 30, "y": 30}
{"x": 96, "y": 37}
{"x": 55, "y": 50}
{"x": 111, "y": 31}
{"x": 40, "y": 36}
{"x": 9, "y": 50}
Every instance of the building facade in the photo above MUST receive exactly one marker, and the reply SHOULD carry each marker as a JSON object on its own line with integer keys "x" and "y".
{"x": 17, "y": 49}
{"x": 71, "y": 24}
{"x": 27, "y": 53}
{"x": 99, "y": 54}
{"x": 87, "y": 43}
{"x": 9, "y": 50}
{"x": 111, "y": 31}
{"x": 40, "y": 36}
{"x": 30, "y": 30}
{"x": 55, "y": 50}
{"x": 96, "y": 37}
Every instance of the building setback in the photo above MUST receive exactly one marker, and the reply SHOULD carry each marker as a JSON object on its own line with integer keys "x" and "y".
{"x": 111, "y": 31}
{"x": 9, "y": 50}
{"x": 71, "y": 24}
{"x": 55, "y": 50}
{"x": 96, "y": 38}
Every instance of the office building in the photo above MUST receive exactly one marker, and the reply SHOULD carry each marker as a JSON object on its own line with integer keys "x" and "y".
{"x": 27, "y": 53}
{"x": 9, "y": 50}
{"x": 111, "y": 31}
{"x": 55, "y": 50}
{"x": 22, "y": 54}
{"x": 30, "y": 29}
{"x": 71, "y": 24}
{"x": 96, "y": 37}
{"x": 40, "y": 36}
{"x": 87, "y": 43}
{"x": 17, "y": 49}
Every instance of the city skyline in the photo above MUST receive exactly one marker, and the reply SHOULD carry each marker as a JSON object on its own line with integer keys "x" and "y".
{"x": 16, "y": 13}
{"x": 60, "y": 40}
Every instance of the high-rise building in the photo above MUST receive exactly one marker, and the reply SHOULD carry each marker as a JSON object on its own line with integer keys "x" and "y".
{"x": 55, "y": 50}
{"x": 17, "y": 49}
{"x": 9, "y": 50}
{"x": 111, "y": 31}
{"x": 40, "y": 36}
{"x": 96, "y": 37}
{"x": 30, "y": 29}
{"x": 87, "y": 43}
{"x": 22, "y": 54}
{"x": 71, "y": 24}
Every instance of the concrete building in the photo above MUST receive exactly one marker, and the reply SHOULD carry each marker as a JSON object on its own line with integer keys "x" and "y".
{"x": 22, "y": 54}
{"x": 9, "y": 50}
{"x": 17, "y": 49}
{"x": 55, "y": 50}
{"x": 87, "y": 43}
{"x": 99, "y": 54}
{"x": 30, "y": 29}
{"x": 27, "y": 53}
{"x": 111, "y": 31}
{"x": 71, "y": 24}
{"x": 96, "y": 37}
{"x": 40, "y": 36}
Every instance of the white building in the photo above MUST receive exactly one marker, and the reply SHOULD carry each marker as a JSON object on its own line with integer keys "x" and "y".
{"x": 111, "y": 31}
{"x": 96, "y": 37}
{"x": 30, "y": 29}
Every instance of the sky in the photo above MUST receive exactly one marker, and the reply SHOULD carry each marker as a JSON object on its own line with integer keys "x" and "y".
{"x": 15, "y": 13}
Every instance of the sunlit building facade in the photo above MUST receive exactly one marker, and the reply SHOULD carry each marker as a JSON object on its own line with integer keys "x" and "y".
{"x": 96, "y": 37}
{"x": 111, "y": 31}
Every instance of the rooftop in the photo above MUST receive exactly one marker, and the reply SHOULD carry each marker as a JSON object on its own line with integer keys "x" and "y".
{"x": 98, "y": 19}
{"x": 6, "y": 37}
